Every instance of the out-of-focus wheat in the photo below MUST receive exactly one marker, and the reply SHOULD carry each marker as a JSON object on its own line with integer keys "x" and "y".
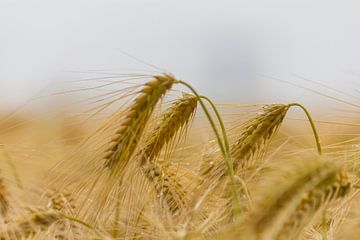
{"x": 287, "y": 205}
{"x": 36, "y": 221}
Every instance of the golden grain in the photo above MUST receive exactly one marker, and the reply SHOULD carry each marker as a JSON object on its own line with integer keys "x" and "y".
{"x": 126, "y": 137}
{"x": 176, "y": 117}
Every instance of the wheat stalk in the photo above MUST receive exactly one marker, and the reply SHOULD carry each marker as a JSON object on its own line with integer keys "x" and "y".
{"x": 124, "y": 142}
{"x": 255, "y": 134}
{"x": 166, "y": 185}
{"x": 312, "y": 202}
{"x": 222, "y": 142}
{"x": 278, "y": 211}
{"x": 175, "y": 118}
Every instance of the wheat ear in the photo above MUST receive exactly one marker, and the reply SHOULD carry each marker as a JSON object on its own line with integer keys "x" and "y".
{"x": 279, "y": 208}
{"x": 127, "y": 136}
{"x": 336, "y": 188}
{"x": 175, "y": 118}
{"x": 223, "y": 143}
{"x": 256, "y": 133}
{"x": 124, "y": 142}
{"x": 168, "y": 188}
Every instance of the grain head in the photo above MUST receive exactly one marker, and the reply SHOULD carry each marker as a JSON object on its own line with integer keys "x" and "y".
{"x": 292, "y": 201}
{"x": 175, "y": 118}
{"x": 254, "y": 136}
{"x": 168, "y": 189}
{"x": 126, "y": 137}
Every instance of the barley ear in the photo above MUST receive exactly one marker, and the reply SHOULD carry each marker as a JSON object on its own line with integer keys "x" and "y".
{"x": 290, "y": 204}
{"x": 125, "y": 140}
{"x": 176, "y": 117}
{"x": 254, "y": 136}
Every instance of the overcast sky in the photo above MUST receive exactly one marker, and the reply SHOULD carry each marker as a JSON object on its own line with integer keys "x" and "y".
{"x": 230, "y": 50}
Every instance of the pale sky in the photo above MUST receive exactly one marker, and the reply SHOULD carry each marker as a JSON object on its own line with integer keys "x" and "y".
{"x": 222, "y": 47}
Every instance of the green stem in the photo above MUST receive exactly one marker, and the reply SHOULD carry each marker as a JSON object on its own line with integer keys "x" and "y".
{"x": 213, "y": 126}
{"x": 316, "y": 135}
{"x": 228, "y": 161}
{"x": 226, "y": 142}
{"x": 224, "y": 149}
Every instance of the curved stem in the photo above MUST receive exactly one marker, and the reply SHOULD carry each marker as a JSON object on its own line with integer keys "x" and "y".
{"x": 81, "y": 222}
{"x": 213, "y": 126}
{"x": 225, "y": 138}
{"x": 316, "y": 135}
{"x": 224, "y": 146}
{"x": 228, "y": 161}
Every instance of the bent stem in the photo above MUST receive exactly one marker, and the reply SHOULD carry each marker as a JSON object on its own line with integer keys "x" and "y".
{"x": 224, "y": 146}
{"x": 225, "y": 138}
{"x": 316, "y": 135}
{"x": 229, "y": 163}
{"x": 85, "y": 224}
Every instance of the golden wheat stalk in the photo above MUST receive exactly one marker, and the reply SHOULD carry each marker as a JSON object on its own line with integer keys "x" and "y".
{"x": 124, "y": 142}
{"x": 175, "y": 118}
{"x": 96, "y": 170}
{"x": 251, "y": 144}
{"x": 255, "y": 134}
{"x": 167, "y": 187}
{"x": 311, "y": 203}
{"x": 316, "y": 182}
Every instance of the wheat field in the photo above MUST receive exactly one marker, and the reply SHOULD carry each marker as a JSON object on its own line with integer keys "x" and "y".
{"x": 155, "y": 159}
